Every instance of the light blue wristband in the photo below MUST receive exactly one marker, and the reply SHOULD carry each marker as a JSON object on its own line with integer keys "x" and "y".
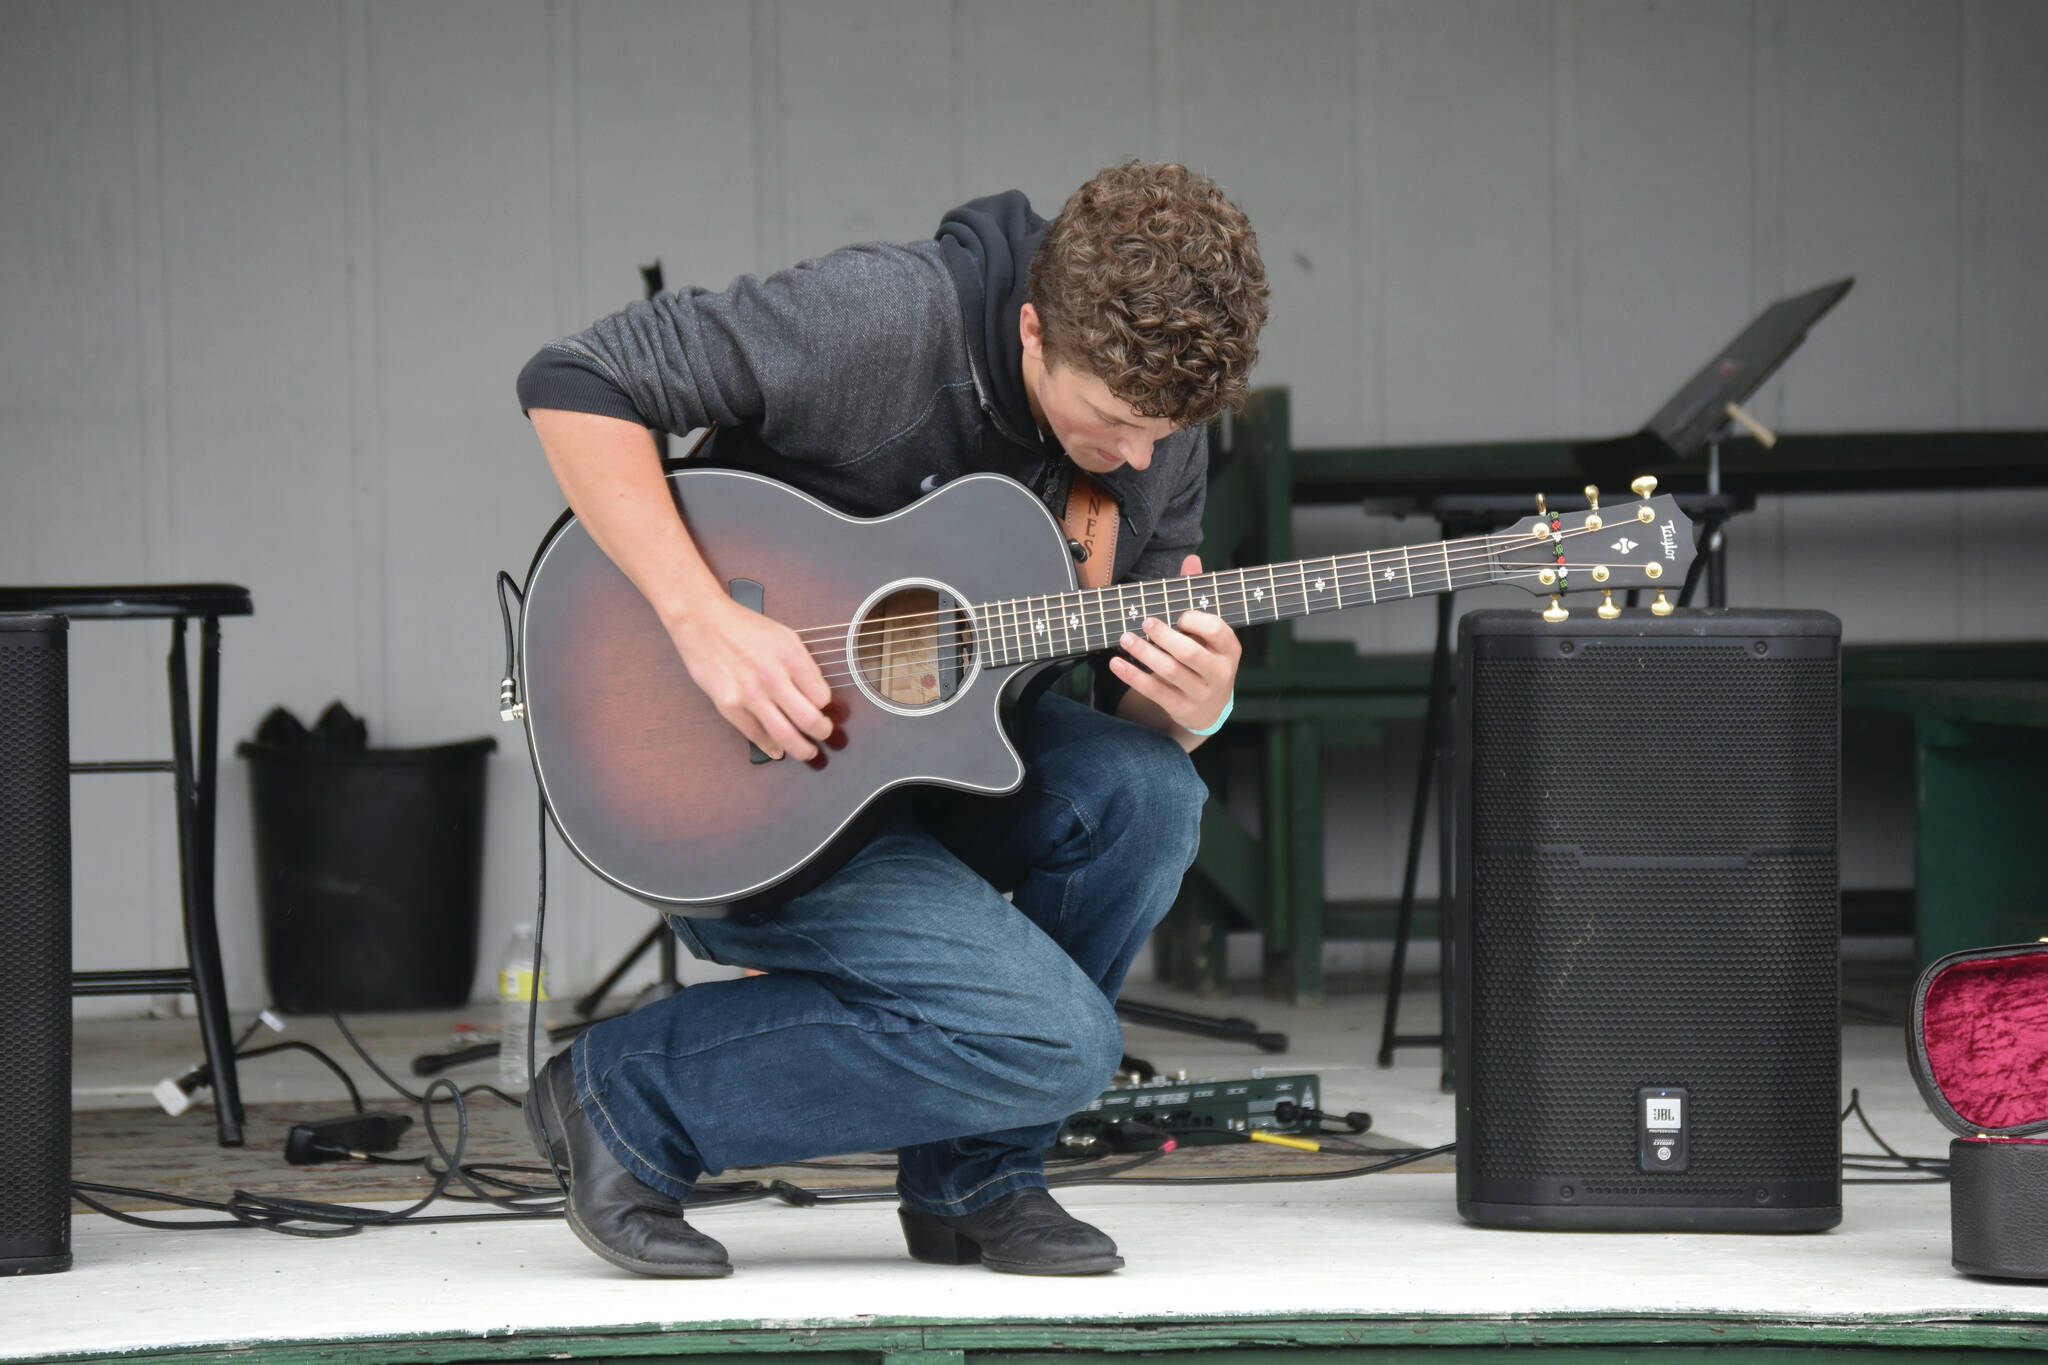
{"x": 1228, "y": 702}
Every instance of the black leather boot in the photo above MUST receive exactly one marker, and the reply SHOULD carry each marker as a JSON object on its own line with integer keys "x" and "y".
{"x": 611, "y": 1209}
{"x": 1024, "y": 1233}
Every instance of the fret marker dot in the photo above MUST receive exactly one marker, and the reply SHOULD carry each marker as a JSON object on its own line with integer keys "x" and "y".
{"x": 1319, "y": 585}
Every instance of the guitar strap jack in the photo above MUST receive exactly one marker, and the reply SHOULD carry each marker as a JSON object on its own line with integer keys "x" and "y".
{"x": 1091, "y": 526}
{"x": 510, "y": 708}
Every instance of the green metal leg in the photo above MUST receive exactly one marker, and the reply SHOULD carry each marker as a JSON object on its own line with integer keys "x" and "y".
{"x": 1189, "y": 951}
{"x": 1293, "y": 845}
{"x": 1276, "y": 834}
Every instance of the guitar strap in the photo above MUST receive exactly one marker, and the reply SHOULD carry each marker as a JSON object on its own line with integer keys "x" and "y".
{"x": 1091, "y": 523}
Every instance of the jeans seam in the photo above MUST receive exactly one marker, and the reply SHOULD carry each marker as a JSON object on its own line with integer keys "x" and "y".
{"x": 1035, "y": 1177}
{"x": 914, "y": 1011}
{"x": 625, "y": 1057}
{"x": 597, "y": 1102}
{"x": 1088, "y": 827}
{"x": 911, "y": 1011}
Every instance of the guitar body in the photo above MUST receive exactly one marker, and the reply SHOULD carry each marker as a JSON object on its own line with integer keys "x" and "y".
{"x": 657, "y": 793}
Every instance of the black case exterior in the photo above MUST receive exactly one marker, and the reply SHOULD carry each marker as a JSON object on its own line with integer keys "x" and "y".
{"x": 1647, "y": 896}
{"x": 1998, "y": 1208}
{"x": 1998, "y": 1182}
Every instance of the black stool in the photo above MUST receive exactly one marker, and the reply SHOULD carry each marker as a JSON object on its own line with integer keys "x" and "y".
{"x": 192, "y": 768}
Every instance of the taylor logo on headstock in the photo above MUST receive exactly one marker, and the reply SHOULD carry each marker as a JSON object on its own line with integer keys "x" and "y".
{"x": 1556, "y": 551}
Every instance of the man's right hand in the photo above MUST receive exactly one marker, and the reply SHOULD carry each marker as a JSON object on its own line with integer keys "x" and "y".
{"x": 755, "y": 670}
{"x": 759, "y": 675}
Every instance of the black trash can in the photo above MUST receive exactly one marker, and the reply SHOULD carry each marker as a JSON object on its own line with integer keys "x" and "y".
{"x": 369, "y": 873}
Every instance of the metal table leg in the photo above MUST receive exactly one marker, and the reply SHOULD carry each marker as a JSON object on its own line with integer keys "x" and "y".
{"x": 195, "y": 783}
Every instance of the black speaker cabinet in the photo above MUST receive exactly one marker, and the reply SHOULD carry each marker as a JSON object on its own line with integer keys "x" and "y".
{"x": 35, "y": 927}
{"x": 1647, "y": 921}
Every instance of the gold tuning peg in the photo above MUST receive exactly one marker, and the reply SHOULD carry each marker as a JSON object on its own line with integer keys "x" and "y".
{"x": 1660, "y": 607}
{"x": 1593, "y": 496}
{"x": 1555, "y": 613}
{"x": 1541, "y": 510}
{"x": 1644, "y": 486}
{"x": 1607, "y": 611}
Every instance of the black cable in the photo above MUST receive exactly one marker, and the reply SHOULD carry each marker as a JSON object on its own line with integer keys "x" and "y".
{"x": 540, "y": 920}
{"x": 371, "y": 1062}
{"x": 433, "y": 1063}
{"x": 78, "y": 1188}
{"x": 508, "y": 685}
{"x": 1919, "y": 1170}
{"x": 1400, "y": 1158}
{"x": 534, "y": 982}
{"x": 492, "y": 1090}
{"x": 355, "y": 1096}
{"x": 312, "y": 1218}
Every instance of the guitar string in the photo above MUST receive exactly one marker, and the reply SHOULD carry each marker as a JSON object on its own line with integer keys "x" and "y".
{"x": 1349, "y": 580}
{"x": 1026, "y": 642}
{"x": 837, "y": 679}
{"x": 1435, "y": 551}
{"x": 1424, "y": 559}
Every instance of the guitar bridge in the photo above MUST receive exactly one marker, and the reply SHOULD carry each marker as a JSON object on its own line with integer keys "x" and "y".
{"x": 753, "y": 597}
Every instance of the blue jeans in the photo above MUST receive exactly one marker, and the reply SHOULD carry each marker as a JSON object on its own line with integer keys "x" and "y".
{"x": 907, "y": 1003}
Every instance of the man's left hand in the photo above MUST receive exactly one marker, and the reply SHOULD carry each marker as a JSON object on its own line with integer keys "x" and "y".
{"x": 1193, "y": 665}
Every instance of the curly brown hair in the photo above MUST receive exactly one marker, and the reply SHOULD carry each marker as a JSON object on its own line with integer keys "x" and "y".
{"x": 1150, "y": 280}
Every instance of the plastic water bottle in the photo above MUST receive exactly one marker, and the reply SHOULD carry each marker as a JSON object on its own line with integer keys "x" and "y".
{"x": 517, "y": 985}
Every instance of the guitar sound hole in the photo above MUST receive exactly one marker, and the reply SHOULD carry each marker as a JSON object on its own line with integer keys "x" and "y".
{"x": 914, "y": 648}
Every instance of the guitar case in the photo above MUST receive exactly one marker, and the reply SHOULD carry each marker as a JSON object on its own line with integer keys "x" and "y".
{"x": 1978, "y": 1043}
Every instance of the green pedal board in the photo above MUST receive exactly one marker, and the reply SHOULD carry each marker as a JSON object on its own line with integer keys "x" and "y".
{"x": 1192, "y": 1112}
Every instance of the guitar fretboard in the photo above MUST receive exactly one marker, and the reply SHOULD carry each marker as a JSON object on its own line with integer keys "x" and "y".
{"x": 1072, "y": 624}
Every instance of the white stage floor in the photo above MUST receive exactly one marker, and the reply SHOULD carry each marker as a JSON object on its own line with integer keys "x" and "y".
{"x": 1381, "y": 1260}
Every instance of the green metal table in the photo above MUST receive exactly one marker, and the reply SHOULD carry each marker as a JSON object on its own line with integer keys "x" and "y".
{"x": 1980, "y": 749}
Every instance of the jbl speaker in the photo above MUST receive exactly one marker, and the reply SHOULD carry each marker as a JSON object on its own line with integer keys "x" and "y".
{"x": 35, "y": 926}
{"x": 1647, "y": 921}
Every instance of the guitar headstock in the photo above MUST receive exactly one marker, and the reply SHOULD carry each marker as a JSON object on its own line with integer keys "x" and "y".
{"x": 1643, "y": 543}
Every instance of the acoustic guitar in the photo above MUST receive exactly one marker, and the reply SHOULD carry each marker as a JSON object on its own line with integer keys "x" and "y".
{"x": 928, "y": 623}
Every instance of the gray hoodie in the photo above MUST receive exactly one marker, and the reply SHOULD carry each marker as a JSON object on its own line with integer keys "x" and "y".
{"x": 868, "y": 378}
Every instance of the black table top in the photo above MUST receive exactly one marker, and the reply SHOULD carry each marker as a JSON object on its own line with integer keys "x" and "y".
{"x": 116, "y": 602}
{"x": 1834, "y": 462}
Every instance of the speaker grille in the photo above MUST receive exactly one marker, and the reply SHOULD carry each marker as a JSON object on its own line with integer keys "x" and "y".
{"x": 1590, "y": 984}
{"x": 1623, "y": 747}
{"x": 1653, "y": 898}
{"x": 35, "y": 925}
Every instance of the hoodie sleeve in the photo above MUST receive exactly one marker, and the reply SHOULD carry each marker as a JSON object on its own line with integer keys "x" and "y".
{"x": 808, "y": 354}
{"x": 1179, "y": 532}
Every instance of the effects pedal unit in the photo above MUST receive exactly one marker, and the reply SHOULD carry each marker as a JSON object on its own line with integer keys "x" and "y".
{"x": 1192, "y": 1112}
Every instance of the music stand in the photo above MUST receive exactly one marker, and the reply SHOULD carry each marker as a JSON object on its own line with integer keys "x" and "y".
{"x": 1707, "y": 408}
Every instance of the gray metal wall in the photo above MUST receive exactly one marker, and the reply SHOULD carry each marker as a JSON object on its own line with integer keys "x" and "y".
{"x": 267, "y": 270}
